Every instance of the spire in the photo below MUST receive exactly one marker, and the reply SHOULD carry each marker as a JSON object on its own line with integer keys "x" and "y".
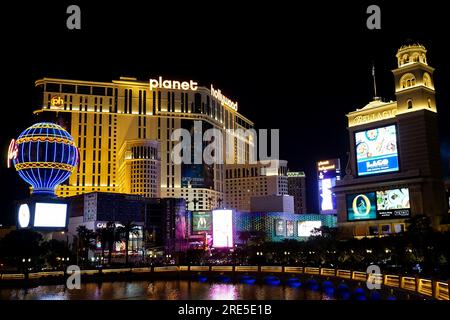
{"x": 374, "y": 82}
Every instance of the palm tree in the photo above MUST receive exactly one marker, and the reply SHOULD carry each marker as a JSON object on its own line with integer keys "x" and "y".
{"x": 85, "y": 237}
{"x": 127, "y": 229}
{"x": 195, "y": 201}
{"x": 219, "y": 203}
{"x": 108, "y": 235}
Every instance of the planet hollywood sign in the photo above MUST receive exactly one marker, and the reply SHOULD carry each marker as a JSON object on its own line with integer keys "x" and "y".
{"x": 191, "y": 85}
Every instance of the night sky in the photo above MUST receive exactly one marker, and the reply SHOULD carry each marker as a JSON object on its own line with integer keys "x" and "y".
{"x": 296, "y": 68}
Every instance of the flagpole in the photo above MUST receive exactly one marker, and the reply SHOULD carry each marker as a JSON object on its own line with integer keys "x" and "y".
{"x": 374, "y": 81}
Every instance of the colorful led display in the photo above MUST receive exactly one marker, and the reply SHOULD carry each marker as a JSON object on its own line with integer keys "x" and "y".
{"x": 393, "y": 203}
{"x": 222, "y": 220}
{"x": 50, "y": 215}
{"x": 361, "y": 206}
{"x": 306, "y": 228}
{"x": 280, "y": 229}
{"x": 289, "y": 228}
{"x": 328, "y": 173}
{"x": 201, "y": 221}
{"x": 377, "y": 151}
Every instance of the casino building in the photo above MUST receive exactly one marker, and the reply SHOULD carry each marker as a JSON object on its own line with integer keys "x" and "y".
{"x": 394, "y": 169}
{"x": 123, "y": 132}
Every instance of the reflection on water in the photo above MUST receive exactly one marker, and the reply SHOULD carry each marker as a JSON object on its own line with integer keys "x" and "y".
{"x": 163, "y": 290}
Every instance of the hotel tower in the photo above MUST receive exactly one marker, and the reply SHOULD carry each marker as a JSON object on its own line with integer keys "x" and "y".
{"x": 123, "y": 133}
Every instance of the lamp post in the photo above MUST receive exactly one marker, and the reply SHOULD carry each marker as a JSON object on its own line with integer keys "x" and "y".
{"x": 77, "y": 242}
{"x": 26, "y": 262}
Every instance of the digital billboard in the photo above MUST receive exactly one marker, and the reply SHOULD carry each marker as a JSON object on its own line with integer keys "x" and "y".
{"x": 393, "y": 203}
{"x": 361, "y": 206}
{"x": 195, "y": 175}
{"x": 305, "y": 228}
{"x": 222, "y": 221}
{"x": 50, "y": 215}
{"x": 289, "y": 228}
{"x": 328, "y": 173}
{"x": 376, "y": 151}
{"x": 280, "y": 230}
{"x": 201, "y": 221}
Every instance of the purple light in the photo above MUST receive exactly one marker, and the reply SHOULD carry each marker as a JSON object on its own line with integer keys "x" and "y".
{"x": 222, "y": 228}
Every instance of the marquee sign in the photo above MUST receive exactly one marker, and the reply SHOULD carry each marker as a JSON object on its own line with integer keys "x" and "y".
{"x": 12, "y": 152}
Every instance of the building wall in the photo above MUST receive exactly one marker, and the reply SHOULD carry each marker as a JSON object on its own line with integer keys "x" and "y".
{"x": 272, "y": 203}
{"x": 243, "y": 181}
{"x": 103, "y": 116}
{"x": 418, "y": 150}
{"x": 297, "y": 189}
{"x": 265, "y": 223}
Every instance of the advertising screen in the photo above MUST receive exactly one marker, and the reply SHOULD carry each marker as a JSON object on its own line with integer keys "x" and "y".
{"x": 305, "y": 228}
{"x": 222, "y": 228}
{"x": 280, "y": 230}
{"x": 50, "y": 215}
{"x": 361, "y": 206}
{"x": 194, "y": 175}
{"x": 289, "y": 228}
{"x": 328, "y": 173}
{"x": 201, "y": 222}
{"x": 393, "y": 203}
{"x": 377, "y": 151}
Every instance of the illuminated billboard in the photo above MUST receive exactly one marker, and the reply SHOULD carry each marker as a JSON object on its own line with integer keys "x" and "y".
{"x": 201, "y": 222}
{"x": 306, "y": 228}
{"x": 377, "y": 151}
{"x": 328, "y": 173}
{"x": 222, "y": 221}
{"x": 393, "y": 203}
{"x": 195, "y": 175}
{"x": 50, "y": 215}
{"x": 280, "y": 230}
{"x": 289, "y": 228}
{"x": 361, "y": 206}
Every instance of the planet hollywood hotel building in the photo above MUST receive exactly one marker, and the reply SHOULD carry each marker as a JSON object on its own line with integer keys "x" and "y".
{"x": 394, "y": 169}
{"x": 123, "y": 131}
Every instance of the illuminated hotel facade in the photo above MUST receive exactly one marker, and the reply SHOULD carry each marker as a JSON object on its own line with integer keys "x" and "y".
{"x": 123, "y": 132}
{"x": 394, "y": 168}
{"x": 244, "y": 181}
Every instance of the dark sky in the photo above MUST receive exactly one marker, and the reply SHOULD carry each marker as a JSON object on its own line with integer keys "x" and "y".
{"x": 298, "y": 68}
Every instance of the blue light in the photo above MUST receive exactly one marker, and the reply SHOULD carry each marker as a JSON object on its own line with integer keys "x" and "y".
{"x": 40, "y": 165}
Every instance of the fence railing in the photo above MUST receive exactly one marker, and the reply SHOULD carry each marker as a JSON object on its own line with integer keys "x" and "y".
{"x": 427, "y": 287}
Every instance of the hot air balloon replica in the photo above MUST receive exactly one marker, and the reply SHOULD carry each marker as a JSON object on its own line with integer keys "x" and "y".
{"x": 44, "y": 155}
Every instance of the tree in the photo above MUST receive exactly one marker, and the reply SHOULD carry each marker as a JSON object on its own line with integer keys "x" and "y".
{"x": 108, "y": 237}
{"x": 85, "y": 237}
{"x": 21, "y": 244}
{"x": 54, "y": 251}
{"x": 127, "y": 229}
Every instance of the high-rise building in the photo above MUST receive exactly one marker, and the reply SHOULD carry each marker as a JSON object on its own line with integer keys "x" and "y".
{"x": 394, "y": 167}
{"x": 244, "y": 181}
{"x": 123, "y": 132}
{"x": 297, "y": 189}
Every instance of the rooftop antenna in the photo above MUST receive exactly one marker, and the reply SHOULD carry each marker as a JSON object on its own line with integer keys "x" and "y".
{"x": 374, "y": 82}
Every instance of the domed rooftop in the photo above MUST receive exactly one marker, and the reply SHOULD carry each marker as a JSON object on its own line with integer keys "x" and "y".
{"x": 46, "y": 156}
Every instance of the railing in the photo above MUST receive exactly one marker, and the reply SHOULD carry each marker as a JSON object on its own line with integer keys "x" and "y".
{"x": 436, "y": 289}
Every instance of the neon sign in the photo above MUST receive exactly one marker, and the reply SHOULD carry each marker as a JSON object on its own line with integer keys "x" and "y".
{"x": 56, "y": 101}
{"x": 173, "y": 85}
{"x": 216, "y": 93}
{"x": 12, "y": 152}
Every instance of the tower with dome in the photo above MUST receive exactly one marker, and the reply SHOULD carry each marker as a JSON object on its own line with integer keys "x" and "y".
{"x": 44, "y": 155}
{"x": 394, "y": 159}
